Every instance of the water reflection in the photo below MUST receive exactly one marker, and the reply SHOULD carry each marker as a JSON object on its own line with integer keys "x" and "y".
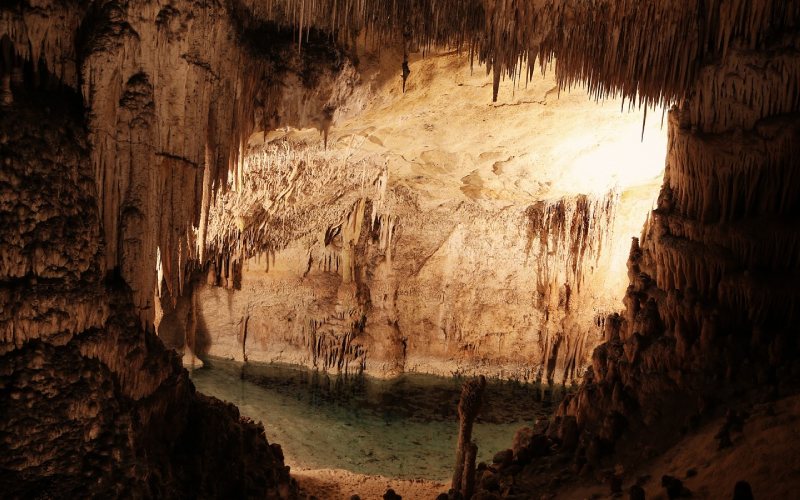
{"x": 405, "y": 427}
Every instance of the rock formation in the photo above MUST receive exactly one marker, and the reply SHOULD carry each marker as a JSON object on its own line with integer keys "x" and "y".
{"x": 404, "y": 292}
{"x": 711, "y": 304}
{"x": 117, "y": 119}
{"x": 473, "y": 256}
{"x": 93, "y": 405}
{"x": 468, "y": 407}
{"x": 125, "y": 132}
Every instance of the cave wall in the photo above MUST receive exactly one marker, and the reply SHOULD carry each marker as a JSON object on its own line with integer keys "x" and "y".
{"x": 460, "y": 289}
{"x": 172, "y": 90}
{"x": 117, "y": 122}
{"x": 457, "y": 267}
{"x": 92, "y": 404}
{"x": 712, "y": 305}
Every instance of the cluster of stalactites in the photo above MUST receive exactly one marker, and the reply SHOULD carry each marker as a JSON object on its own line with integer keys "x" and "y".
{"x": 39, "y": 38}
{"x": 172, "y": 97}
{"x": 289, "y": 191}
{"x": 568, "y": 239}
{"x": 331, "y": 350}
{"x": 724, "y": 229}
{"x": 567, "y": 236}
{"x": 649, "y": 50}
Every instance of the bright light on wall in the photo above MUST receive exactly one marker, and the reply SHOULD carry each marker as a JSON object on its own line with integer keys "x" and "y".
{"x": 611, "y": 155}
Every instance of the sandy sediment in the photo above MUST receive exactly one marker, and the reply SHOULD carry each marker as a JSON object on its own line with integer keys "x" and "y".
{"x": 335, "y": 484}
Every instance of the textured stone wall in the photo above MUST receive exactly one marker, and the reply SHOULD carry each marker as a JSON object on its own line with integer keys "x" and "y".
{"x": 117, "y": 121}
{"x": 485, "y": 243}
{"x": 171, "y": 90}
{"x": 92, "y": 404}
{"x": 712, "y": 306}
{"x": 464, "y": 289}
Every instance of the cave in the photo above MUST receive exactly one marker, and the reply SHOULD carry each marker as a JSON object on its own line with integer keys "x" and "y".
{"x": 329, "y": 248}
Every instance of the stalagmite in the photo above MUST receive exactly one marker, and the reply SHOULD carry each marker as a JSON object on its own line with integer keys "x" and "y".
{"x": 468, "y": 407}
{"x": 469, "y": 470}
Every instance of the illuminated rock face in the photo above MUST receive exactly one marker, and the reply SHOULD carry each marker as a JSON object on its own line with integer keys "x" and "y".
{"x": 513, "y": 293}
{"x": 489, "y": 249}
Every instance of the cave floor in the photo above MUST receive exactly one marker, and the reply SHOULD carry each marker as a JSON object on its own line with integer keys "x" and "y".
{"x": 764, "y": 454}
{"x": 336, "y": 484}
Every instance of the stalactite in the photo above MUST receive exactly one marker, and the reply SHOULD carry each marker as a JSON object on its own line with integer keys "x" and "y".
{"x": 565, "y": 242}
{"x": 649, "y": 52}
{"x": 331, "y": 350}
{"x": 283, "y": 198}
{"x": 573, "y": 230}
{"x": 599, "y": 44}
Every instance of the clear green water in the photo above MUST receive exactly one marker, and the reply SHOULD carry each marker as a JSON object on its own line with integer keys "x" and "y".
{"x": 404, "y": 428}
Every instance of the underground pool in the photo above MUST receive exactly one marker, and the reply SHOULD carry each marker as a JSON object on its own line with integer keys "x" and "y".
{"x": 403, "y": 428}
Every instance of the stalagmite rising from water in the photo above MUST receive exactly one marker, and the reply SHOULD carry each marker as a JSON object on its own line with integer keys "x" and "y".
{"x": 469, "y": 470}
{"x": 468, "y": 407}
